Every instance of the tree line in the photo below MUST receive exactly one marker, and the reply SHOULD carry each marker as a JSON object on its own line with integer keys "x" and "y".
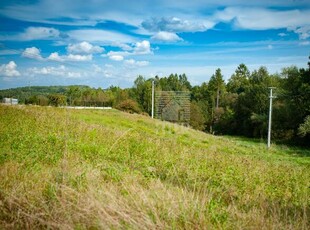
{"x": 237, "y": 107}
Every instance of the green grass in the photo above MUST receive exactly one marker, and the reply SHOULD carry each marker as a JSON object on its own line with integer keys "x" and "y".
{"x": 73, "y": 169}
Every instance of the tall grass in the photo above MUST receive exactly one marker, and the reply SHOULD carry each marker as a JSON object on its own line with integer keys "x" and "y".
{"x": 69, "y": 169}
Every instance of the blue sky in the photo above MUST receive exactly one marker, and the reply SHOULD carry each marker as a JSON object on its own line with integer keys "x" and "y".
{"x": 101, "y": 43}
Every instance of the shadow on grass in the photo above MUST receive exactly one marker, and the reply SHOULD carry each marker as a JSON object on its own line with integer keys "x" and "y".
{"x": 282, "y": 147}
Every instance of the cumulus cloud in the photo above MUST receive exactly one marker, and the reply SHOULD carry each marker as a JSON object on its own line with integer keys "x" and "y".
{"x": 123, "y": 46}
{"x": 143, "y": 47}
{"x": 60, "y": 71}
{"x": 116, "y": 57}
{"x": 138, "y": 48}
{"x": 131, "y": 63}
{"x": 33, "y": 53}
{"x": 71, "y": 57}
{"x": 55, "y": 57}
{"x": 9, "y": 70}
{"x": 166, "y": 37}
{"x": 78, "y": 57}
{"x": 174, "y": 24}
{"x": 84, "y": 48}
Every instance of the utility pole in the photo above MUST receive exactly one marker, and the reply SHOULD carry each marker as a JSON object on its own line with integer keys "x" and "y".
{"x": 153, "y": 92}
{"x": 270, "y": 114}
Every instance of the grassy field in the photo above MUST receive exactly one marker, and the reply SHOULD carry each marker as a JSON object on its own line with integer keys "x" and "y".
{"x": 74, "y": 169}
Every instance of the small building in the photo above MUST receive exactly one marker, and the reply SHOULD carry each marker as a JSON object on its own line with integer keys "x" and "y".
{"x": 171, "y": 112}
{"x": 173, "y": 106}
{"x": 10, "y": 101}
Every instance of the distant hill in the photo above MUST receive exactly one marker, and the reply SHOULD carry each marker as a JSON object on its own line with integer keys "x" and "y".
{"x": 22, "y": 93}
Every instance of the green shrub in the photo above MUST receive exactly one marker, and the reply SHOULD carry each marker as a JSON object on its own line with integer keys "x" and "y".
{"x": 129, "y": 106}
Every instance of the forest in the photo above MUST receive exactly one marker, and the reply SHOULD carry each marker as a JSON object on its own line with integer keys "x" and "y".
{"x": 239, "y": 106}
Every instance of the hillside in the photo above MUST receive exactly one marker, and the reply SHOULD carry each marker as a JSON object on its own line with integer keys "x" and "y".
{"x": 65, "y": 169}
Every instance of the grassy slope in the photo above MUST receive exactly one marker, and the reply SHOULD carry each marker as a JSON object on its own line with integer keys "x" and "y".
{"x": 106, "y": 169}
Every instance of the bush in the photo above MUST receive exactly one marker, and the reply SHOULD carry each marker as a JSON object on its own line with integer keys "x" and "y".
{"x": 57, "y": 99}
{"x": 129, "y": 106}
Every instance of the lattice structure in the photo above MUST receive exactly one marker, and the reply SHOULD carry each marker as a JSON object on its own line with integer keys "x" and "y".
{"x": 173, "y": 106}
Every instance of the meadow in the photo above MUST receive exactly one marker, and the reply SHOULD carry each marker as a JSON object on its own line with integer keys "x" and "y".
{"x": 105, "y": 169}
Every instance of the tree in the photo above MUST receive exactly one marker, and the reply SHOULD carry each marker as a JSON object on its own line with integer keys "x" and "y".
{"x": 200, "y": 106}
{"x": 304, "y": 128}
{"x": 217, "y": 85}
{"x": 216, "y": 88}
{"x": 73, "y": 94}
{"x": 239, "y": 80}
{"x": 197, "y": 118}
{"x": 184, "y": 83}
{"x": 143, "y": 93}
{"x": 296, "y": 100}
{"x": 173, "y": 82}
{"x": 251, "y": 105}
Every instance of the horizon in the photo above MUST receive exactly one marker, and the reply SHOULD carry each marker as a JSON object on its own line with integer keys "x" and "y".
{"x": 99, "y": 44}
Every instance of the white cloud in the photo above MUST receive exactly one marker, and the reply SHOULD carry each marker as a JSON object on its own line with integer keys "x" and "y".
{"x": 40, "y": 33}
{"x": 131, "y": 63}
{"x": 109, "y": 66}
{"x": 143, "y": 47}
{"x": 123, "y": 46}
{"x": 71, "y": 57}
{"x": 174, "y": 24}
{"x": 138, "y": 48}
{"x": 55, "y": 57}
{"x": 116, "y": 57}
{"x": 102, "y": 36}
{"x": 35, "y": 33}
{"x": 9, "y": 70}
{"x": 84, "y": 13}
{"x": 97, "y": 68}
{"x": 303, "y": 31}
{"x": 122, "y": 53}
{"x": 33, "y": 53}
{"x": 60, "y": 71}
{"x": 263, "y": 19}
{"x": 282, "y": 34}
{"x": 49, "y": 70}
{"x": 84, "y": 48}
{"x": 78, "y": 57}
{"x": 166, "y": 36}
{"x": 107, "y": 72}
